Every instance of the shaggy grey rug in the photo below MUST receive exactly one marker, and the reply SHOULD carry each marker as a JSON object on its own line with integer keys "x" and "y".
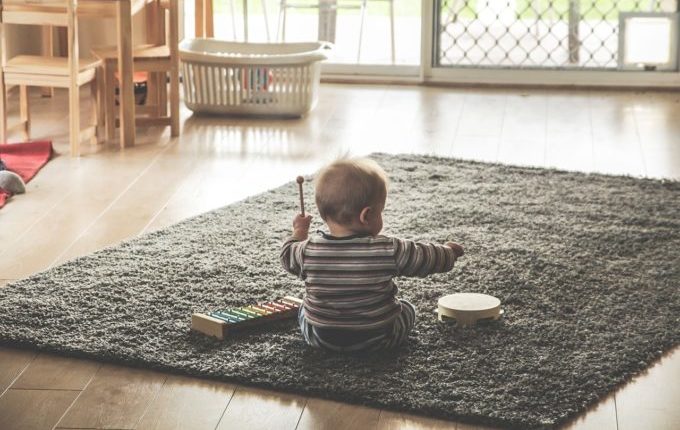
{"x": 587, "y": 267}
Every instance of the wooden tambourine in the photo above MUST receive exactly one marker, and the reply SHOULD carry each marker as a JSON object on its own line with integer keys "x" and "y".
{"x": 468, "y": 308}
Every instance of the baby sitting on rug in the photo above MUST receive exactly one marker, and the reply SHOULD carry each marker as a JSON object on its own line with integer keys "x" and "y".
{"x": 351, "y": 301}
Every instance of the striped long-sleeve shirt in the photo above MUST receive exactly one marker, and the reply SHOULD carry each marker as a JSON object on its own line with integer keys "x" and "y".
{"x": 348, "y": 280}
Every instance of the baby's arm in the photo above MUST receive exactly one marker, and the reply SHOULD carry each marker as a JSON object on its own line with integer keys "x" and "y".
{"x": 291, "y": 251}
{"x": 422, "y": 259}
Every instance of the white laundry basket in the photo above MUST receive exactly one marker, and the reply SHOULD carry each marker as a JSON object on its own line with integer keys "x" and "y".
{"x": 280, "y": 79}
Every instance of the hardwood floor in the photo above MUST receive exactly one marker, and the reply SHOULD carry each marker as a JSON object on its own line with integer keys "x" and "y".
{"x": 75, "y": 206}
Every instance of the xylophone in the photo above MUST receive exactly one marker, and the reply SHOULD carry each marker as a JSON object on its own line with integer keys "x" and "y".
{"x": 221, "y": 322}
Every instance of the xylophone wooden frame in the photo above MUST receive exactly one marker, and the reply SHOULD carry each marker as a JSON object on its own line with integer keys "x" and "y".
{"x": 220, "y": 329}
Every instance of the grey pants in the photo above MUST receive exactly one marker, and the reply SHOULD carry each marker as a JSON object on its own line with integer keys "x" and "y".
{"x": 391, "y": 338}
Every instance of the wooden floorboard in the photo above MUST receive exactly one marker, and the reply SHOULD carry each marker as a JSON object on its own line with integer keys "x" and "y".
{"x": 34, "y": 409}
{"x": 257, "y": 409}
{"x": 330, "y": 415}
{"x": 187, "y": 404}
{"x": 397, "y": 421}
{"x": 651, "y": 400}
{"x": 12, "y": 363}
{"x": 74, "y": 206}
{"x": 116, "y": 398}
{"x": 50, "y": 372}
{"x": 601, "y": 416}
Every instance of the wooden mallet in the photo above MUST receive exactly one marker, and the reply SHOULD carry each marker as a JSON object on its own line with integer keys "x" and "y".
{"x": 300, "y": 180}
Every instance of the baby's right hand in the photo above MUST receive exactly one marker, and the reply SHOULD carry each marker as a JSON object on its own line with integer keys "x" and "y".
{"x": 301, "y": 225}
{"x": 457, "y": 249}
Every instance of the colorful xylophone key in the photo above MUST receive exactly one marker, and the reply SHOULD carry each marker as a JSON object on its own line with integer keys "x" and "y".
{"x": 221, "y": 322}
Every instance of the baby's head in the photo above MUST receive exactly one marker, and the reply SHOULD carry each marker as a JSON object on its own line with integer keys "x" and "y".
{"x": 351, "y": 193}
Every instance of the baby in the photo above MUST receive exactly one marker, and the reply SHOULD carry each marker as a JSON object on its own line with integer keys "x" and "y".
{"x": 351, "y": 300}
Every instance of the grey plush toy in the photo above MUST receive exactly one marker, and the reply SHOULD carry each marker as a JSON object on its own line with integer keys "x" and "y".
{"x": 10, "y": 181}
{"x": 2, "y": 165}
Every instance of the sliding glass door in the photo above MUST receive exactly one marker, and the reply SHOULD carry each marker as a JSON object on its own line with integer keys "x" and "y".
{"x": 365, "y": 32}
{"x": 466, "y": 41}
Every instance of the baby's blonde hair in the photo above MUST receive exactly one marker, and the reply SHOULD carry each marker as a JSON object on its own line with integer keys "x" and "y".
{"x": 347, "y": 186}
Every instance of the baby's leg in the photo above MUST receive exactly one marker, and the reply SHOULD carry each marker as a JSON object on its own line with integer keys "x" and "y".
{"x": 313, "y": 339}
{"x": 400, "y": 331}
{"x": 307, "y": 329}
{"x": 402, "y": 325}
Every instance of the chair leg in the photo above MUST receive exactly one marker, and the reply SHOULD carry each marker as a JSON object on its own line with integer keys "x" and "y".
{"x": 47, "y": 50}
{"x": 74, "y": 119}
{"x": 101, "y": 102}
{"x": 152, "y": 93}
{"x": 162, "y": 88}
{"x": 3, "y": 88}
{"x": 23, "y": 111}
{"x": 97, "y": 112}
{"x": 3, "y": 109}
{"x": 109, "y": 100}
{"x": 174, "y": 102}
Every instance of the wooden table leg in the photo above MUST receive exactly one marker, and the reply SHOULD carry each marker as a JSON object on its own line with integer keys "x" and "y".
{"x": 174, "y": 71}
{"x": 109, "y": 100}
{"x": 127, "y": 94}
{"x": 24, "y": 111}
{"x": 153, "y": 36}
{"x": 209, "y": 20}
{"x": 203, "y": 19}
{"x": 199, "y": 18}
{"x": 3, "y": 89}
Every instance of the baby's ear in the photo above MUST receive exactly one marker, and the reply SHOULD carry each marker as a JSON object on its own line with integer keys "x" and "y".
{"x": 363, "y": 215}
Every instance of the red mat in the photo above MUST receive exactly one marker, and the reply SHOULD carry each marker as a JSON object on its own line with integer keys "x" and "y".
{"x": 24, "y": 159}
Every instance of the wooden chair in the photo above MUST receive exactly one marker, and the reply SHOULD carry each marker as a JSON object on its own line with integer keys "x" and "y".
{"x": 59, "y": 72}
{"x": 160, "y": 59}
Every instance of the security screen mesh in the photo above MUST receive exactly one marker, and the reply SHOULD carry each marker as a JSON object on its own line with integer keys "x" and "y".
{"x": 580, "y": 34}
